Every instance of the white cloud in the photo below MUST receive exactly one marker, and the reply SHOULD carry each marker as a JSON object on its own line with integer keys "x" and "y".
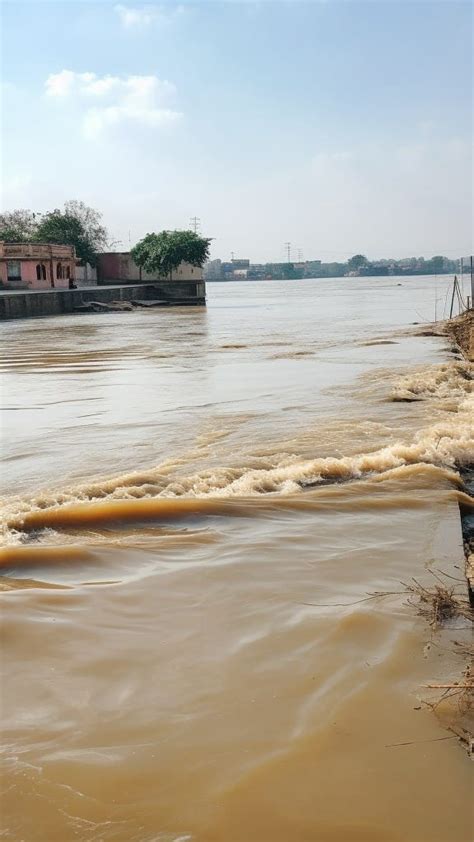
{"x": 60, "y": 84}
{"x": 133, "y": 18}
{"x": 111, "y": 100}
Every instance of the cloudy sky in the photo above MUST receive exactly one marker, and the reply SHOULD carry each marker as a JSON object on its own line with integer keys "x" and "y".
{"x": 339, "y": 126}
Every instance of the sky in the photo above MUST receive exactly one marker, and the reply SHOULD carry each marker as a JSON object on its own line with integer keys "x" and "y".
{"x": 336, "y": 125}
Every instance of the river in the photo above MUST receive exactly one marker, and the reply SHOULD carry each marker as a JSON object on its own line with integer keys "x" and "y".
{"x": 197, "y": 503}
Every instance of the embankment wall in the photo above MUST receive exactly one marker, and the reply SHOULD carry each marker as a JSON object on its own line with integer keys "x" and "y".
{"x": 31, "y": 305}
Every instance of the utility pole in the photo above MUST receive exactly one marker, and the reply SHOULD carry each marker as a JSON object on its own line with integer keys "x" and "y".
{"x": 300, "y": 255}
{"x": 452, "y": 297}
{"x": 195, "y": 223}
{"x": 472, "y": 286}
{"x": 288, "y": 251}
{"x": 232, "y": 255}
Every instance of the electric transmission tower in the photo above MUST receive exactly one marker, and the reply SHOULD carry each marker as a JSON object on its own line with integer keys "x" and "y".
{"x": 195, "y": 223}
{"x": 288, "y": 251}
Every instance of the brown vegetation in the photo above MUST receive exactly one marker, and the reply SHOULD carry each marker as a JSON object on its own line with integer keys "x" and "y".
{"x": 439, "y": 605}
{"x": 461, "y": 330}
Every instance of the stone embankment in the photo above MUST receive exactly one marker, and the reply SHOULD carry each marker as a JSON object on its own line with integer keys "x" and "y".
{"x": 461, "y": 330}
{"x": 55, "y": 302}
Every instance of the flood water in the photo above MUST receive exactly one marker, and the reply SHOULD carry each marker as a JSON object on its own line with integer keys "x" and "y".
{"x": 197, "y": 503}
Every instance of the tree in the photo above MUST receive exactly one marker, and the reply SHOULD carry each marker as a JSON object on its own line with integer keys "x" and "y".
{"x": 18, "y": 226}
{"x": 333, "y": 270}
{"x": 437, "y": 263}
{"x": 161, "y": 253}
{"x": 77, "y": 226}
{"x": 357, "y": 261}
{"x": 91, "y": 221}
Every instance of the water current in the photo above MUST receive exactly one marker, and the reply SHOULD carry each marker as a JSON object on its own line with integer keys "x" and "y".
{"x": 196, "y": 504}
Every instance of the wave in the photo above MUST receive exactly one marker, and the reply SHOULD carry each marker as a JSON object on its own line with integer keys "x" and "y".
{"x": 162, "y": 494}
{"x": 451, "y": 381}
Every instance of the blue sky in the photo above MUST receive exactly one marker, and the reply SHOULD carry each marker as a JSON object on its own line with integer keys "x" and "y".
{"x": 339, "y": 126}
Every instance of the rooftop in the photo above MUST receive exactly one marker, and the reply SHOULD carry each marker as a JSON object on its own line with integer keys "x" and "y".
{"x": 33, "y": 251}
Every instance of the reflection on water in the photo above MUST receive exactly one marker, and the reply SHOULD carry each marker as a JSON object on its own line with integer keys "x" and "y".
{"x": 197, "y": 503}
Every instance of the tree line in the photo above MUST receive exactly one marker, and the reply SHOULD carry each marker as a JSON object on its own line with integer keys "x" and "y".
{"x": 360, "y": 264}
{"x": 76, "y": 225}
{"x": 81, "y": 226}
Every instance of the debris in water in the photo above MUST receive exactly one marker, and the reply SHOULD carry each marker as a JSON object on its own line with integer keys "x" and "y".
{"x": 440, "y": 603}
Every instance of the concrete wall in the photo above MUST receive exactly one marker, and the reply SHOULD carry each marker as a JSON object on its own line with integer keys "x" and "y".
{"x": 86, "y": 275}
{"x": 118, "y": 267}
{"x": 29, "y": 305}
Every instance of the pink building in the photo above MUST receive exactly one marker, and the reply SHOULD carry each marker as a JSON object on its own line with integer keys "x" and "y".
{"x": 37, "y": 266}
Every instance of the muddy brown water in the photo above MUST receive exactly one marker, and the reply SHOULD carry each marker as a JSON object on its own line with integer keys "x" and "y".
{"x": 196, "y": 505}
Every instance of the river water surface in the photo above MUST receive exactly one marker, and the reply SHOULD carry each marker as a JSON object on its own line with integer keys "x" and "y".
{"x": 197, "y": 503}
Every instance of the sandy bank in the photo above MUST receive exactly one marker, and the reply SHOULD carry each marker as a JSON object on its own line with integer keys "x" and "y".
{"x": 461, "y": 329}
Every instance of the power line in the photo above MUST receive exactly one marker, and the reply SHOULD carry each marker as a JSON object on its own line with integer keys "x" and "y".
{"x": 414, "y": 252}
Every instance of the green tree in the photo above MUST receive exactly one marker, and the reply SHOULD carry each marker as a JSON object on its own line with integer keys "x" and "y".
{"x": 357, "y": 261}
{"x": 331, "y": 270}
{"x": 437, "y": 263}
{"x": 77, "y": 226}
{"x": 18, "y": 226}
{"x": 162, "y": 253}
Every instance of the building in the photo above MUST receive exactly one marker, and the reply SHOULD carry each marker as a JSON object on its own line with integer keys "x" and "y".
{"x": 117, "y": 267}
{"x": 312, "y": 268}
{"x": 213, "y": 270}
{"x": 86, "y": 275}
{"x": 37, "y": 266}
{"x": 240, "y": 269}
{"x": 227, "y": 271}
{"x": 256, "y": 272}
{"x": 236, "y": 270}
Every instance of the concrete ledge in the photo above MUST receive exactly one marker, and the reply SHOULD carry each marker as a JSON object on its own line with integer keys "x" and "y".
{"x": 56, "y": 302}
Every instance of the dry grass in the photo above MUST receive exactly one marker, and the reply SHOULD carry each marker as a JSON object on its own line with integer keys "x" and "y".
{"x": 462, "y": 690}
{"x": 439, "y": 603}
{"x": 461, "y": 695}
{"x": 461, "y": 329}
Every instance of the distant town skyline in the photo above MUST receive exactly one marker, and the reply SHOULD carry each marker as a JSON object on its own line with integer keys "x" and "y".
{"x": 340, "y": 127}
{"x": 240, "y": 269}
